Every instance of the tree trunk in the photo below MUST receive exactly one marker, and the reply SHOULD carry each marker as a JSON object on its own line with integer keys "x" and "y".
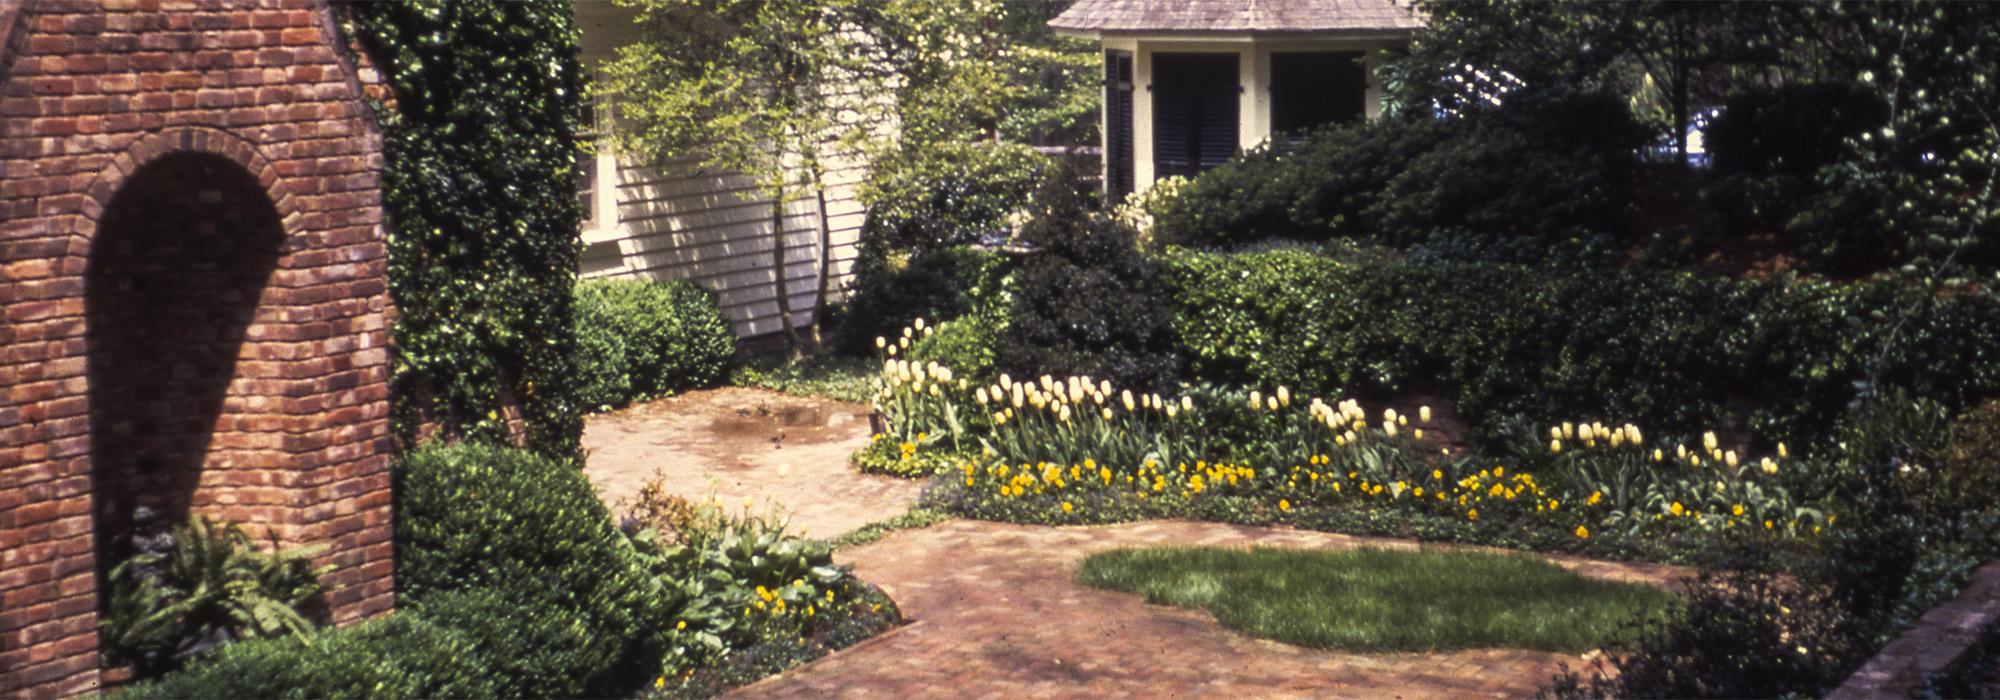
{"x": 825, "y": 273}
{"x": 778, "y": 267}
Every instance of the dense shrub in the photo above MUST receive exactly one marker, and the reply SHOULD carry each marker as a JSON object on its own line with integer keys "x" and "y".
{"x": 1768, "y": 148}
{"x": 1325, "y": 186}
{"x": 1088, "y": 302}
{"x": 638, "y": 338}
{"x": 949, "y": 194}
{"x": 1672, "y": 351}
{"x": 476, "y": 518}
{"x": 891, "y": 289}
{"x": 400, "y": 656}
{"x": 1541, "y": 179}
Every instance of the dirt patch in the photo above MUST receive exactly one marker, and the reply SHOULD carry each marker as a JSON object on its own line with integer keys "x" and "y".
{"x": 733, "y": 443}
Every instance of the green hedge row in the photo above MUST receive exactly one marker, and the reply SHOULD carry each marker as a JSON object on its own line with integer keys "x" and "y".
{"x": 1671, "y": 351}
{"x": 637, "y": 339}
{"x": 512, "y": 583}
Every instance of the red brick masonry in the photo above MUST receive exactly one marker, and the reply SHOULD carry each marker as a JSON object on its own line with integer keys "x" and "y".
{"x": 192, "y": 302}
{"x": 1939, "y": 638}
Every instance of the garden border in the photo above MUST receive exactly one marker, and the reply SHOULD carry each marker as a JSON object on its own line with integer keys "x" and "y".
{"x": 1940, "y": 638}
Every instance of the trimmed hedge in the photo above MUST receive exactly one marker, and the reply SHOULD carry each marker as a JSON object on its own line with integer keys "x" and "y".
{"x": 637, "y": 339}
{"x": 1673, "y": 351}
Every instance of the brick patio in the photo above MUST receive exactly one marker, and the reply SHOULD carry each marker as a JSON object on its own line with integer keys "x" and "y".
{"x": 999, "y": 615}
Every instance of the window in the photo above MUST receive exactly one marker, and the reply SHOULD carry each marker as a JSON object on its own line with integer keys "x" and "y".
{"x": 1195, "y": 98}
{"x": 1309, "y": 89}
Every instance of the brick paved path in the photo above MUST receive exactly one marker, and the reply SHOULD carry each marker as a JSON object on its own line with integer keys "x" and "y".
{"x": 999, "y": 615}
{"x": 735, "y": 442}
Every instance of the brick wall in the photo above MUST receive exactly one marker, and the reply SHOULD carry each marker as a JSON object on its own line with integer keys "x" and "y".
{"x": 192, "y": 302}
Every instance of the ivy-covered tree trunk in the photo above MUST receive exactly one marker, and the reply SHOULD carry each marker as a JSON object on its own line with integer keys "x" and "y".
{"x": 479, "y": 186}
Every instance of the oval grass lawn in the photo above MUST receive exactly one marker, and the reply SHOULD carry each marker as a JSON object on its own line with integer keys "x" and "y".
{"x": 1379, "y": 600}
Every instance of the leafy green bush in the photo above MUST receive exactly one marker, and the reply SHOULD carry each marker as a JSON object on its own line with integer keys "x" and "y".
{"x": 1672, "y": 351}
{"x": 213, "y": 587}
{"x": 1324, "y": 187}
{"x": 949, "y": 193}
{"x": 474, "y": 517}
{"x": 637, "y": 339}
{"x": 1088, "y": 303}
{"x": 891, "y": 289}
{"x": 399, "y": 656}
{"x": 1539, "y": 180}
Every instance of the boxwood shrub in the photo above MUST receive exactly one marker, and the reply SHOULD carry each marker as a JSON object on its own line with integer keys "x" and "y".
{"x": 1673, "y": 351}
{"x": 637, "y": 339}
{"x": 512, "y": 582}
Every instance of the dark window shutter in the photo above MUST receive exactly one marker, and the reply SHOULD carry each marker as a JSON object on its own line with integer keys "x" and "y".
{"x": 1118, "y": 156}
{"x": 1312, "y": 88}
{"x": 1195, "y": 103}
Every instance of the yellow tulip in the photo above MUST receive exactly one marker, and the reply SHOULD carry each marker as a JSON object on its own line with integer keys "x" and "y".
{"x": 1424, "y": 414}
{"x": 1555, "y": 447}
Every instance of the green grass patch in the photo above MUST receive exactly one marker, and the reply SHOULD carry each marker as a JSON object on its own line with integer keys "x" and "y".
{"x": 1380, "y": 600}
{"x": 825, "y": 376}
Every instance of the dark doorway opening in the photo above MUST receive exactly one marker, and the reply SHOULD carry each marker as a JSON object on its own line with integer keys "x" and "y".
{"x": 1315, "y": 88}
{"x": 176, "y": 274}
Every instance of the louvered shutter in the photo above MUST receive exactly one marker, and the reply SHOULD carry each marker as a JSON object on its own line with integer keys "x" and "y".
{"x": 1118, "y": 155}
{"x": 1195, "y": 103}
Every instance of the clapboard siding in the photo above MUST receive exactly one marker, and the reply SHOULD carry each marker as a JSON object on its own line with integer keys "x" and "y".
{"x": 673, "y": 220}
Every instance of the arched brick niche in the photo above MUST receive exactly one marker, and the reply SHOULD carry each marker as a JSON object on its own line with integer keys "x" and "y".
{"x": 193, "y": 307}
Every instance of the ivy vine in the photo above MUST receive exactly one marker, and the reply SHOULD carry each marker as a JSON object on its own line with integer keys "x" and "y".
{"x": 479, "y": 189}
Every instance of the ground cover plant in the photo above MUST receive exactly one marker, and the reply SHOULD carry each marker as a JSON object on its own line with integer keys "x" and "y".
{"x": 1375, "y": 600}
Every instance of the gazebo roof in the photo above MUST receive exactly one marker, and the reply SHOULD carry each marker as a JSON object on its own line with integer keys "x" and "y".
{"x": 1097, "y": 17}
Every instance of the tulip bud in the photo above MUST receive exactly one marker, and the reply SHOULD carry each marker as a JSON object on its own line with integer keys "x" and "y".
{"x": 1284, "y": 396}
{"x": 1569, "y": 431}
{"x": 920, "y": 323}
{"x": 1424, "y": 414}
{"x": 1272, "y": 404}
{"x": 980, "y": 396}
{"x": 1729, "y": 458}
{"x": 1555, "y": 432}
{"x": 1555, "y": 447}
{"x": 1781, "y": 451}
{"x": 1172, "y": 410}
{"x": 1126, "y": 398}
{"x": 1187, "y": 403}
{"x": 1256, "y": 400}
{"x": 1708, "y": 441}
{"x": 1388, "y": 415}
{"x": 892, "y": 351}
{"x": 881, "y": 342}
{"x": 1107, "y": 414}
{"x": 1389, "y": 429}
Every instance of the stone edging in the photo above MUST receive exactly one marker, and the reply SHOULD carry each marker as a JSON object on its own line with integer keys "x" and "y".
{"x": 1939, "y": 638}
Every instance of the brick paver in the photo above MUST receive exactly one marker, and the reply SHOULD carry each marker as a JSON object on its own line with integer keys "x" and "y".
{"x": 998, "y": 614}
{"x": 735, "y": 442}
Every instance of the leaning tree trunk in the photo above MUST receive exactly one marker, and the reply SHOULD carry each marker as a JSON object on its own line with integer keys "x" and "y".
{"x": 824, "y": 274}
{"x": 778, "y": 267}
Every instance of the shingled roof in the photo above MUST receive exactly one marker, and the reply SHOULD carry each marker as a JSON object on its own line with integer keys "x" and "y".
{"x": 1099, "y": 16}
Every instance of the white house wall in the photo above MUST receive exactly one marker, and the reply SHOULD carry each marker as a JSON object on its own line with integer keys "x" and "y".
{"x": 659, "y": 220}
